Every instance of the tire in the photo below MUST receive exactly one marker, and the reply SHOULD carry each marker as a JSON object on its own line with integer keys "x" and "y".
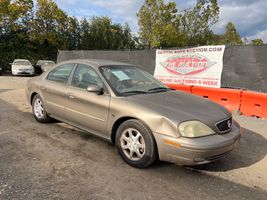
{"x": 39, "y": 111}
{"x": 136, "y": 144}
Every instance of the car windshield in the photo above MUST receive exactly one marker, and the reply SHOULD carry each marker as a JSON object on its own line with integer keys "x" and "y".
{"x": 130, "y": 80}
{"x": 22, "y": 62}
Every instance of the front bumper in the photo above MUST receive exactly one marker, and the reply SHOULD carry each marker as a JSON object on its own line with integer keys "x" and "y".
{"x": 23, "y": 72}
{"x": 196, "y": 151}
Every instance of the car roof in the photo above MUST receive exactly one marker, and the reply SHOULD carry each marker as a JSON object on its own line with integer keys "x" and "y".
{"x": 97, "y": 62}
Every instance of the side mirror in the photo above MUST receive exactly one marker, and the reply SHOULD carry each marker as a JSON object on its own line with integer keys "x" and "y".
{"x": 95, "y": 89}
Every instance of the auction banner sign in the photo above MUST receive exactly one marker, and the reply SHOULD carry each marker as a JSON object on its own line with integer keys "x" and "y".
{"x": 200, "y": 66}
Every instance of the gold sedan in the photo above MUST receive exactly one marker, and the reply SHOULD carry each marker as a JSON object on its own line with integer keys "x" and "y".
{"x": 129, "y": 107}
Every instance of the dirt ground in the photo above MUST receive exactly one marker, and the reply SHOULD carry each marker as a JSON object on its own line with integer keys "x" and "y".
{"x": 56, "y": 161}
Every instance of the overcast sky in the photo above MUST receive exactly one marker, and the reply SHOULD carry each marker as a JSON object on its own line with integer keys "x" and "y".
{"x": 249, "y": 16}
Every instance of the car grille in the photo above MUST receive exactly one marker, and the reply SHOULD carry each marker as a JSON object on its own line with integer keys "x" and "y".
{"x": 25, "y": 70}
{"x": 225, "y": 125}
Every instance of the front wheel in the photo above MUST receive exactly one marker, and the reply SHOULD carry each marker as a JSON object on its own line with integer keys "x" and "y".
{"x": 39, "y": 111}
{"x": 136, "y": 144}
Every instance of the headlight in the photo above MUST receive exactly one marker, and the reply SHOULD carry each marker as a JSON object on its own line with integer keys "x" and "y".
{"x": 193, "y": 129}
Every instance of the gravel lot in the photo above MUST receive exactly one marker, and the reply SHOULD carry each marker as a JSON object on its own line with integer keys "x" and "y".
{"x": 56, "y": 161}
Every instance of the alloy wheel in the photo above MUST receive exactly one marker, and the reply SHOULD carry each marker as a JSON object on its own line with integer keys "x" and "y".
{"x": 38, "y": 108}
{"x": 132, "y": 144}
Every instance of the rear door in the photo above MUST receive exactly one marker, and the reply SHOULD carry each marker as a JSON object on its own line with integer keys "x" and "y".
{"x": 54, "y": 91}
{"x": 86, "y": 109}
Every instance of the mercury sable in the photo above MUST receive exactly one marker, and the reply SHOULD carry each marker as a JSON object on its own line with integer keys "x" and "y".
{"x": 144, "y": 119}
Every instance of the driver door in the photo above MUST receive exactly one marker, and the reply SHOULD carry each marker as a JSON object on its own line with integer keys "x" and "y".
{"x": 86, "y": 109}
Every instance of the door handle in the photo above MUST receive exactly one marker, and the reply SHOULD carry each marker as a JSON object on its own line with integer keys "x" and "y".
{"x": 70, "y": 96}
{"x": 43, "y": 88}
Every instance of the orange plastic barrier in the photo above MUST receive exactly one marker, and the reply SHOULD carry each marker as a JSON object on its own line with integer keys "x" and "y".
{"x": 254, "y": 104}
{"x": 229, "y": 98}
{"x": 185, "y": 88}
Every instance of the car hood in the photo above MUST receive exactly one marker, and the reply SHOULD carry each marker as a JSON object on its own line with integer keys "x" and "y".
{"x": 180, "y": 106}
{"x": 22, "y": 66}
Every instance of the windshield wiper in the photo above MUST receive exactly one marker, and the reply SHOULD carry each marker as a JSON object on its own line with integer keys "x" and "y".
{"x": 159, "y": 89}
{"x": 135, "y": 92}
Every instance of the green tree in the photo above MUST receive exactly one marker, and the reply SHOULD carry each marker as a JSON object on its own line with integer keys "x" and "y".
{"x": 257, "y": 41}
{"x": 48, "y": 28}
{"x": 73, "y": 34}
{"x": 231, "y": 36}
{"x": 156, "y": 21}
{"x": 196, "y": 22}
{"x": 161, "y": 25}
{"x": 86, "y": 40}
{"x": 127, "y": 38}
{"x": 14, "y": 14}
{"x": 101, "y": 33}
{"x": 14, "y": 37}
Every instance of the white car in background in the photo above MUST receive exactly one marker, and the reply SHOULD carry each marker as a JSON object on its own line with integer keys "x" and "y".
{"x": 22, "y": 67}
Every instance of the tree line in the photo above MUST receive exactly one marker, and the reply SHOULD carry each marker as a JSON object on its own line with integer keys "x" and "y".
{"x": 38, "y": 29}
{"x": 164, "y": 25}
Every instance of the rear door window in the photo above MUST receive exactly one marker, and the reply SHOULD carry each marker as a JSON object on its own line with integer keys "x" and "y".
{"x": 61, "y": 73}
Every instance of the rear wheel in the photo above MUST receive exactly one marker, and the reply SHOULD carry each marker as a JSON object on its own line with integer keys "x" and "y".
{"x": 39, "y": 111}
{"x": 136, "y": 144}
